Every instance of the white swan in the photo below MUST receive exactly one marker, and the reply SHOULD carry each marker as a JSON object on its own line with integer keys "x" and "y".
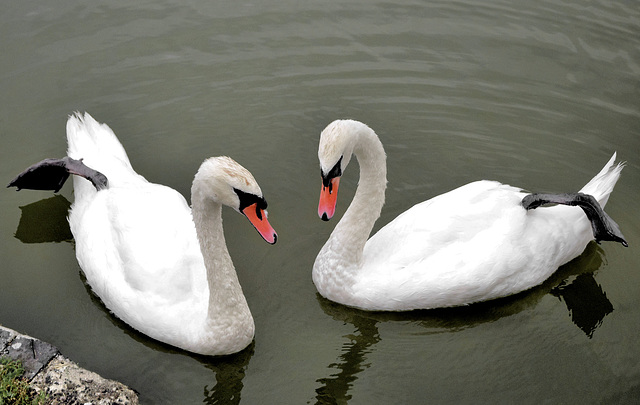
{"x": 158, "y": 265}
{"x": 471, "y": 244}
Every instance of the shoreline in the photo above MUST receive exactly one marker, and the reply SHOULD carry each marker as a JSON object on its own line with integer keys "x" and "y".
{"x": 63, "y": 380}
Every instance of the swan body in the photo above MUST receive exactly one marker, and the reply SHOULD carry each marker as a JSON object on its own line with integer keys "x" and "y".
{"x": 157, "y": 264}
{"x": 471, "y": 244}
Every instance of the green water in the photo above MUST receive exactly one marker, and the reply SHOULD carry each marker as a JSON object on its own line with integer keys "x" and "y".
{"x": 534, "y": 94}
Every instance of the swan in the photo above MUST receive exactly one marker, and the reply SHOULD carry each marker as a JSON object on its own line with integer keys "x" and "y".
{"x": 157, "y": 264}
{"x": 481, "y": 241}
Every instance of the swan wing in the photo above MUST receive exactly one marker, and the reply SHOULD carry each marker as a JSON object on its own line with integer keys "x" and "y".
{"x": 456, "y": 218}
{"x": 139, "y": 244}
{"x": 474, "y": 243}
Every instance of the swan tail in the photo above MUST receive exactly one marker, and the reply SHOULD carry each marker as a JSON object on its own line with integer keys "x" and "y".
{"x": 601, "y": 185}
{"x": 94, "y": 143}
{"x": 592, "y": 199}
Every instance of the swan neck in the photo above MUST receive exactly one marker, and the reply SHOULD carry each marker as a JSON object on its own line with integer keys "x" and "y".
{"x": 226, "y": 299}
{"x": 352, "y": 232}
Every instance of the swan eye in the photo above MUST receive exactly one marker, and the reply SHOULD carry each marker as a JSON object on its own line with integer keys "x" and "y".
{"x": 247, "y": 199}
{"x": 336, "y": 171}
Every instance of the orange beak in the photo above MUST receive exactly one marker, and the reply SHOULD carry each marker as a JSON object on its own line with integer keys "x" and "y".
{"x": 258, "y": 219}
{"x": 328, "y": 199}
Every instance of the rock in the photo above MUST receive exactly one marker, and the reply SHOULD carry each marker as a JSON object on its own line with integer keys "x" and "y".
{"x": 67, "y": 383}
{"x": 63, "y": 380}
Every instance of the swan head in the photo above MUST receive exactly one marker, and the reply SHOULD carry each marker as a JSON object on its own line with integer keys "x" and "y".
{"x": 337, "y": 142}
{"x": 223, "y": 180}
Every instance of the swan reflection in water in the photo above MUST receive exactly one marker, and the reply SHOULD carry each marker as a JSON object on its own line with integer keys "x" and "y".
{"x": 45, "y": 221}
{"x": 586, "y": 301}
{"x": 574, "y": 284}
{"x": 351, "y": 362}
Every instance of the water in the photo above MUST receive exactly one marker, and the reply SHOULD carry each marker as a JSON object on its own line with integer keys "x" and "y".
{"x": 534, "y": 94}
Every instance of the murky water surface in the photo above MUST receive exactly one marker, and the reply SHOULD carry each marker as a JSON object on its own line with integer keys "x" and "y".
{"x": 534, "y": 94}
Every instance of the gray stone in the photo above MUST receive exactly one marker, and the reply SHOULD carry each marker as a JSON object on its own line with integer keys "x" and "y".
{"x": 33, "y": 353}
